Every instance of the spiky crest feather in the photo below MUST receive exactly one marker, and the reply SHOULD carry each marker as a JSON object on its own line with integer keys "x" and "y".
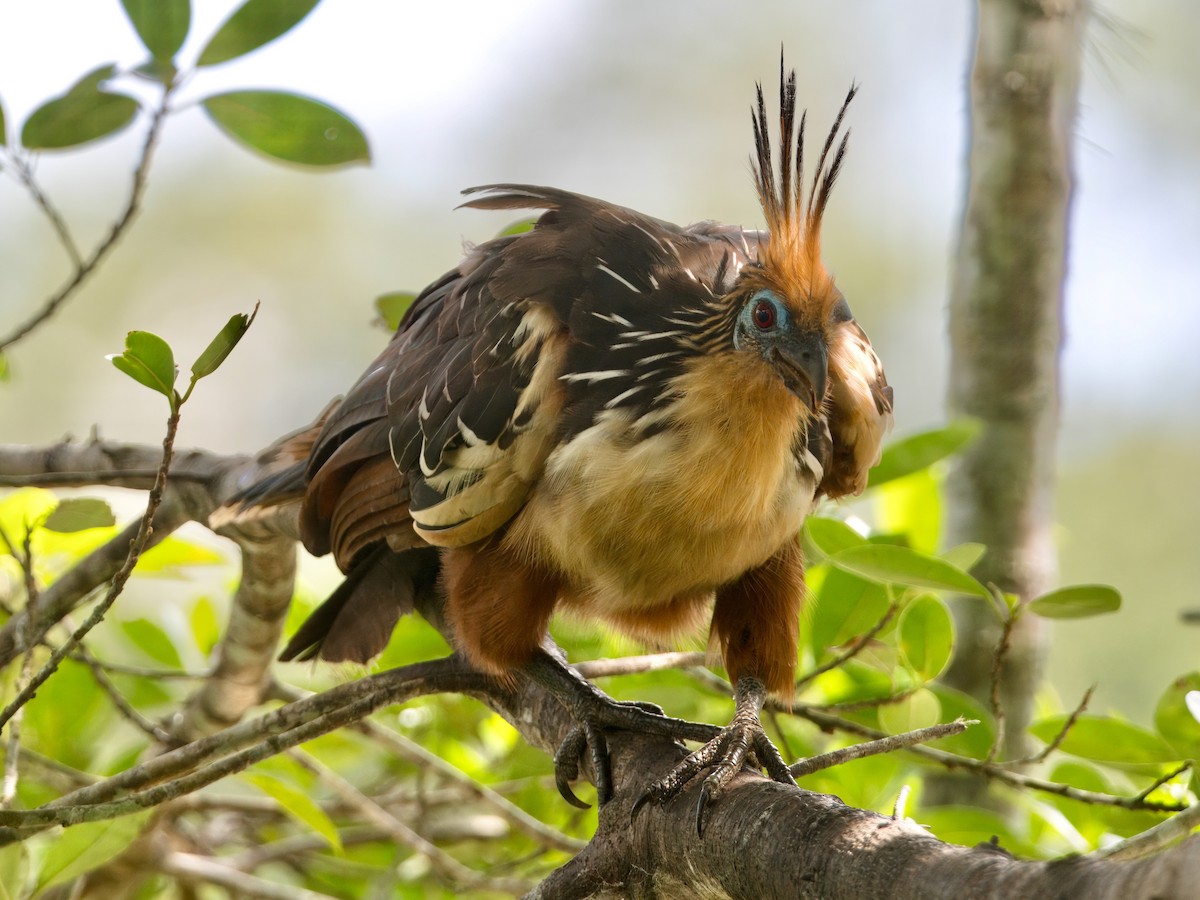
{"x": 792, "y": 256}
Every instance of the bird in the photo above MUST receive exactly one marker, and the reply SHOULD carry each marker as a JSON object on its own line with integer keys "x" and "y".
{"x": 611, "y": 415}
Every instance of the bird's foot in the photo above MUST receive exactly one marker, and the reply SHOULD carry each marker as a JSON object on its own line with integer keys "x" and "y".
{"x": 595, "y": 714}
{"x": 743, "y": 742}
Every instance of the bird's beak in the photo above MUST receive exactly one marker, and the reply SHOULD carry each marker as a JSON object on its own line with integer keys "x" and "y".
{"x": 802, "y": 362}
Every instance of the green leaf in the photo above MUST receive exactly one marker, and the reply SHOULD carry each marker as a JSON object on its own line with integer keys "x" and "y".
{"x": 84, "y": 113}
{"x": 255, "y": 23}
{"x": 82, "y": 848}
{"x": 521, "y": 226}
{"x": 148, "y": 360}
{"x": 927, "y": 635}
{"x": 78, "y": 514}
{"x": 891, "y": 564}
{"x": 844, "y": 607}
{"x": 831, "y": 536}
{"x": 222, "y": 345}
{"x": 14, "y": 871}
{"x": 1077, "y": 602}
{"x": 206, "y": 628}
{"x": 150, "y": 639}
{"x": 976, "y": 740}
{"x": 912, "y": 506}
{"x": 920, "y": 451}
{"x": 1174, "y": 718}
{"x": 392, "y": 307}
{"x": 5, "y": 369}
{"x": 289, "y": 127}
{"x": 3, "y": 128}
{"x": 965, "y": 556}
{"x": 161, "y": 24}
{"x": 299, "y": 806}
{"x": 174, "y": 554}
{"x": 1105, "y": 740}
{"x": 920, "y": 709}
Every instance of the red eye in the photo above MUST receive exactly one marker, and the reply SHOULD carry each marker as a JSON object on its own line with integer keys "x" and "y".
{"x": 764, "y": 315}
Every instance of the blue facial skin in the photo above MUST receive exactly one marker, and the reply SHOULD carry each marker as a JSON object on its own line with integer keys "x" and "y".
{"x": 800, "y": 357}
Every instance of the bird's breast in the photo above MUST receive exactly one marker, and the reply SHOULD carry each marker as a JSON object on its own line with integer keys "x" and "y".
{"x": 637, "y": 521}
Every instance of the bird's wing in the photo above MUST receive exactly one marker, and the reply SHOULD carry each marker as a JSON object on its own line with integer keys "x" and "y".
{"x": 529, "y": 339}
{"x": 858, "y": 408}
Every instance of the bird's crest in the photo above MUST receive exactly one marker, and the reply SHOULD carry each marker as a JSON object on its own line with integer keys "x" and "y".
{"x": 793, "y": 252}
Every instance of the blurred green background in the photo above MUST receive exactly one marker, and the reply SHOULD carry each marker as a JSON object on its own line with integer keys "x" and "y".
{"x": 646, "y": 105}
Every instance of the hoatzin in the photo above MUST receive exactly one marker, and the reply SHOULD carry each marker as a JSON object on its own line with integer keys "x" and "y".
{"x": 612, "y": 415}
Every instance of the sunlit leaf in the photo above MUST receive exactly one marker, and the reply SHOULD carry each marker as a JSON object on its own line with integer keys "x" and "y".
{"x": 148, "y": 360}
{"x": 920, "y": 709}
{"x": 161, "y": 24}
{"x": 206, "y": 628}
{"x": 392, "y": 307}
{"x": 912, "y": 506}
{"x": 14, "y": 871}
{"x": 253, "y": 24}
{"x": 299, "y": 806}
{"x": 1105, "y": 740}
{"x": 519, "y": 227}
{"x": 5, "y": 369}
{"x": 84, "y": 113}
{"x": 1174, "y": 717}
{"x": 289, "y": 127}
{"x": 174, "y": 554}
{"x": 3, "y": 128}
{"x": 79, "y": 514}
{"x": 965, "y": 556}
{"x": 1077, "y": 602}
{"x": 153, "y": 641}
{"x": 891, "y": 564}
{"x": 920, "y": 451}
{"x": 971, "y": 826}
{"x": 831, "y": 536}
{"x": 222, "y": 345}
{"x": 843, "y": 607}
{"x": 82, "y": 848}
{"x": 927, "y": 635}
{"x": 976, "y": 740}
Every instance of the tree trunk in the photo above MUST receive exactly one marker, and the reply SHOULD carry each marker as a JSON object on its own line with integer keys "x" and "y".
{"x": 1006, "y": 327}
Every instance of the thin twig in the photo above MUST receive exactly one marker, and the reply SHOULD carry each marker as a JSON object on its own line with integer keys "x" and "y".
{"x": 850, "y": 652}
{"x": 1061, "y": 736}
{"x": 443, "y": 863}
{"x": 24, "y": 557}
{"x": 116, "y": 586}
{"x": 1159, "y": 782}
{"x": 1002, "y": 646}
{"x": 881, "y": 745}
{"x": 190, "y": 867}
{"x": 635, "y": 665}
{"x": 151, "y": 729}
{"x": 86, "y": 267}
{"x": 25, "y": 175}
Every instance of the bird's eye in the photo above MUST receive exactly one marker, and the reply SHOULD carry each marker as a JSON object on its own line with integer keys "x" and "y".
{"x": 764, "y": 315}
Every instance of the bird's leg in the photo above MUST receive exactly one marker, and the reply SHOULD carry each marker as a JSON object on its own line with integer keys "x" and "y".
{"x": 726, "y": 754}
{"x": 595, "y": 713}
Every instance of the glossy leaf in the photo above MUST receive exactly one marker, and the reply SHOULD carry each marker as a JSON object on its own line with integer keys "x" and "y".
{"x": 920, "y": 451}
{"x": 254, "y": 24}
{"x": 891, "y": 564}
{"x": 150, "y": 639}
{"x": 392, "y": 307}
{"x": 927, "y": 635}
{"x": 1077, "y": 602}
{"x": 1105, "y": 740}
{"x": 84, "y": 113}
{"x": 1174, "y": 719}
{"x": 79, "y": 514}
{"x": 161, "y": 24}
{"x": 148, "y": 359}
{"x": 222, "y": 345}
{"x": 81, "y": 848}
{"x": 831, "y": 536}
{"x": 289, "y": 127}
{"x": 912, "y": 506}
{"x": 844, "y": 606}
{"x": 920, "y": 709}
{"x": 965, "y": 556}
{"x": 299, "y": 806}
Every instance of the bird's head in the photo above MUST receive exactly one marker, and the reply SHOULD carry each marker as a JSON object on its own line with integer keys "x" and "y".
{"x": 787, "y": 306}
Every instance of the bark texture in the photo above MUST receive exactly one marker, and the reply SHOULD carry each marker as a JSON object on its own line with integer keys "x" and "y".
{"x": 1006, "y": 326}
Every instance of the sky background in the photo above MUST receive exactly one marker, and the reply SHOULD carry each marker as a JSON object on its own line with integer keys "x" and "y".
{"x": 644, "y": 104}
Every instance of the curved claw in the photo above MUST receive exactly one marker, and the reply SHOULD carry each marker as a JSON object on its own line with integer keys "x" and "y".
{"x": 566, "y": 765}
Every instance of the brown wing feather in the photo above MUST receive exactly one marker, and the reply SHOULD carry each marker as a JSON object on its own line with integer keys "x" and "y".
{"x": 858, "y": 408}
